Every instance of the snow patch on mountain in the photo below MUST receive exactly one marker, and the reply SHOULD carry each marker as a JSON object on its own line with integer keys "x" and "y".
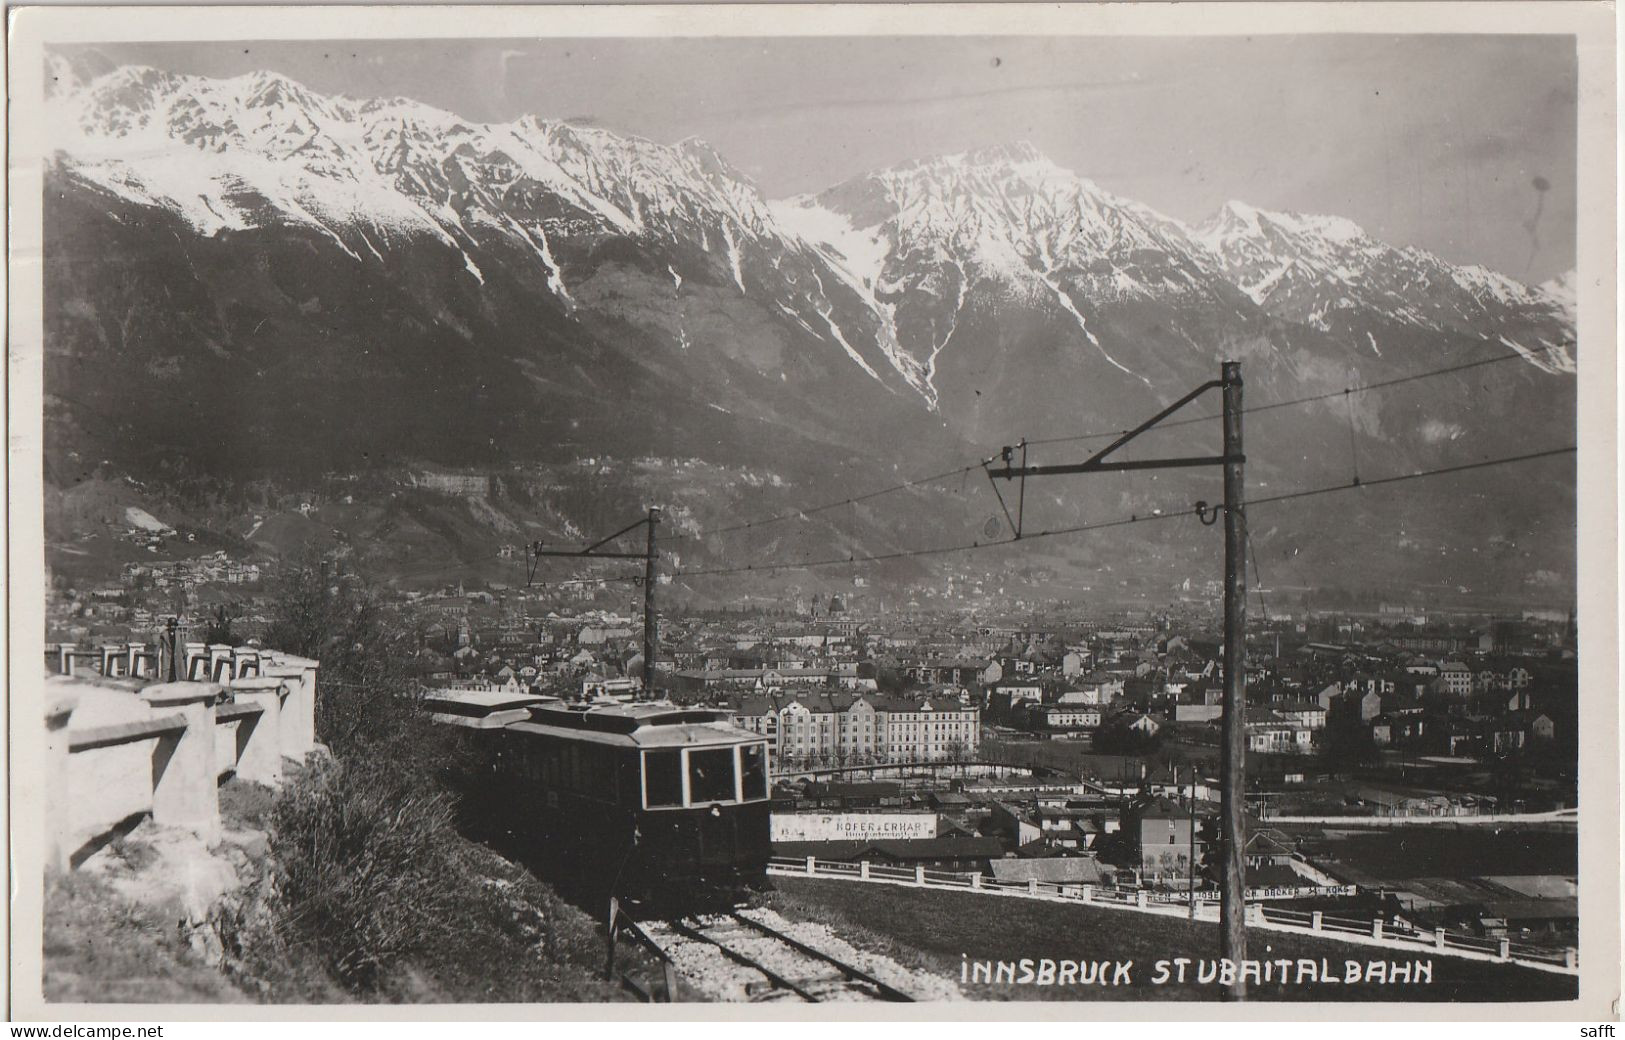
{"x": 1563, "y": 291}
{"x": 537, "y": 235}
{"x": 1327, "y": 272}
{"x": 827, "y": 313}
{"x": 860, "y": 252}
{"x": 142, "y": 520}
{"x": 963, "y": 289}
{"x": 734, "y": 260}
{"x": 857, "y": 258}
{"x": 1549, "y": 357}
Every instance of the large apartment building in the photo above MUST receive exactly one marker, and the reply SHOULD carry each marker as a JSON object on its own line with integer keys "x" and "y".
{"x": 809, "y": 728}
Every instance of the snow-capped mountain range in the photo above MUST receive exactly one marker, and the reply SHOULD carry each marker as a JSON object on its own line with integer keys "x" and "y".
{"x": 909, "y": 243}
{"x": 416, "y": 285}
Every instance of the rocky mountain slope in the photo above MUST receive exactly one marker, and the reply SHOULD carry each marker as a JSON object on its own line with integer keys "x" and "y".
{"x": 250, "y": 280}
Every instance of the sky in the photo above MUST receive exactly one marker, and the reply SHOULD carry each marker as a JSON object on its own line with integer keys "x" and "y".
{"x": 1461, "y": 145}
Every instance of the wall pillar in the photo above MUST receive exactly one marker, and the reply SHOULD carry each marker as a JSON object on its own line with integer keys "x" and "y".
{"x": 1032, "y": 886}
{"x": 1503, "y": 950}
{"x": 812, "y": 865}
{"x": 185, "y": 791}
{"x": 259, "y": 737}
{"x": 919, "y": 875}
{"x": 307, "y": 706}
{"x": 1376, "y": 928}
{"x": 221, "y": 667}
{"x": 1141, "y": 899}
{"x": 298, "y": 720}
{"x": 191, "y": 653}
{"x": 58, "y": 824}
{"x": 1438, "y": 937}
{"x": 976, "y": 880}
{"x": 863, "y": 870}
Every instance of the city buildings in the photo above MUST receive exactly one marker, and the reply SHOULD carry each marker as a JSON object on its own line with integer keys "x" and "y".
{"x": 832, "y": 727}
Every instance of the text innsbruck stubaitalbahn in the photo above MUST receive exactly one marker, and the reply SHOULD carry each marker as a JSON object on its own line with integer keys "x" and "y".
{"x": 1221, "y": 972}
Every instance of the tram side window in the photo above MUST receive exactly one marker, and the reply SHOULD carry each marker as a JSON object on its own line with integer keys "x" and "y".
{"x": 663, "y": 777}
{"x": 711, "y": 775}
{"x": 753, "y": 765}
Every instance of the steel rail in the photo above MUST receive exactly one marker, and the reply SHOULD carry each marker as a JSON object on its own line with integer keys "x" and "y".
{"x": 856, "y": 974}
{"x": 688, "y": 931}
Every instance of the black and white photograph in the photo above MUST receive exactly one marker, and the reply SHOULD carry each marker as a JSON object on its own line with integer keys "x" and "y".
{"x": 742, "y": 509}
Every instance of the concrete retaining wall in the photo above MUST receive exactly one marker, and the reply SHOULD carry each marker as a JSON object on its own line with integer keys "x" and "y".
{"x": 120, "y": 748}
{"x": 107, "y": 786}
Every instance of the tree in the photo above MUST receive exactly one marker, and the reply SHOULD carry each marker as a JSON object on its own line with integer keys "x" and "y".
{"x": 367, "y": 699}
{"x": 221, "y": 627}
{"x": 1346, "y": 742}
{"x": 1116, "y": 737}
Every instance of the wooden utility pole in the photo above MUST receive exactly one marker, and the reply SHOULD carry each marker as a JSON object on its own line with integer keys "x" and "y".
{"x": 651, "y": 620}
{"x": 613, "y": 930}
{"x": 1194, "y": 874}
{"x": 1233, "y": 745}
{"x": 1233, "y": 760}
{"x": 650, "y": 558}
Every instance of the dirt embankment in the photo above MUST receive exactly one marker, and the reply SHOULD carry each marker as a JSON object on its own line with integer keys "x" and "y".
{"x": 155, "y": 916}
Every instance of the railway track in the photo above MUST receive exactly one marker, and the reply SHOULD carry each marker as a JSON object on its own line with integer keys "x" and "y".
{"x": 735, "y": 957}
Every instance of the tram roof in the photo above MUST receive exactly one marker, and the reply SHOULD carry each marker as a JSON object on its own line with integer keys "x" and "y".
{"x": 691, "y": 735}
{"x": 612, "y": 716}
{"x": 479, "y": 709}
{"x": 488, "y": 700}
{"x": 642, "y": 724}
{"x": 620, "y": 723}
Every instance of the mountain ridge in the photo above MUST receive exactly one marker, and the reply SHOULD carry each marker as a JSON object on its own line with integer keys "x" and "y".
{"x": 423, "y": 287}
{"x": 1046, "y": 218}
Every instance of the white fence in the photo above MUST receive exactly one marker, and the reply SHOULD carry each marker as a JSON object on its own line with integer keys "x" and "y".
{"x": 1374, "y": 932}
{"x": 1255, "y": 895}
{"x": 1401, "y": 819}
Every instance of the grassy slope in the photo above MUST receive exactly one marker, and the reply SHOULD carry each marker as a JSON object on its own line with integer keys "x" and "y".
{"x": 528, "y": 945}
{"x": 103, "y": 950}
{"x": 934, "y": 928}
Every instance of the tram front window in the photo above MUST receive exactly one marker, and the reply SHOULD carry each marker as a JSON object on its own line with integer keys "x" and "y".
{"x": 711, "y": 776}
{"x": 663, "y": 778}
{"x": 753, "y": 763}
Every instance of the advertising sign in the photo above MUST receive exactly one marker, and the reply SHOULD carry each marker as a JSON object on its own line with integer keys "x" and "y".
{"x": 853, "y": 826}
